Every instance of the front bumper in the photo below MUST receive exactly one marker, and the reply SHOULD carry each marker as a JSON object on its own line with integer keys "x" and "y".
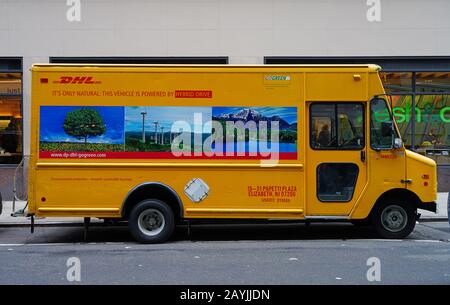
{"x": 429, "y": 206}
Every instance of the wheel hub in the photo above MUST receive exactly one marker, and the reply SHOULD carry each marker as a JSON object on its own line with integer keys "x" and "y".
{"x": 394, "y": 218}
{"x": 151, "y": 222}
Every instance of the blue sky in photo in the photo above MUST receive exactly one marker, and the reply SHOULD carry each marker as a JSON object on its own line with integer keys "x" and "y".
{"x": 165, "y": 116}
{"x": 52, "y": 120}
{"x": 289, "y": 114}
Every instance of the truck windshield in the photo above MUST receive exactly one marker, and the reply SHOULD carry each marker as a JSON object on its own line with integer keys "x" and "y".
{"x": 380, "y": 121}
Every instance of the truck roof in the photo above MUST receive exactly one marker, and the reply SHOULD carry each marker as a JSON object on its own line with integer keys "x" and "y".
{"x": 112, "y": 67}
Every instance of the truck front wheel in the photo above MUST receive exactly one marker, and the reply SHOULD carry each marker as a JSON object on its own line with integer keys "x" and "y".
{"x": 151, "y": 221}
{"x": 394, "y": 219}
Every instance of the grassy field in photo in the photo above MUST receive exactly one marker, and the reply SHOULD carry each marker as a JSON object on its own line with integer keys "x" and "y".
{"x": 71, "y": 146}
{"x": 285, "y": 136}
{"x": 133, "y": 142}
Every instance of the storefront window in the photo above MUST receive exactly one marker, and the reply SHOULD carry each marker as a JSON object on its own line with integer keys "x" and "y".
{"x": 402, "y": 111}
{"x": 397, "y": 81}
{"x": 432, "y": 82}
{"x": 432, "y": 110}
{"x": 10, "y": 118}
{"x": 433, "y": 127}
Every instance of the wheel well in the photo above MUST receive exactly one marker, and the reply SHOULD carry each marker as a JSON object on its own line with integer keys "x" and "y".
{"x": 153, "y": 190}
{"x": 403, "y": 194}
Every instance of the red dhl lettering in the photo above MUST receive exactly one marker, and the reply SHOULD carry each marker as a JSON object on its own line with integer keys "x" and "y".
{"x": 388, "y": 156}
{"x": 76, "y": 80}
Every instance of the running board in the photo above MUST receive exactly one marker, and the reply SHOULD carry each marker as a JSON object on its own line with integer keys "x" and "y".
{"x": 79, "y": 212}
{"x": 226, "y": 210}
{"x": 327, "y": 217}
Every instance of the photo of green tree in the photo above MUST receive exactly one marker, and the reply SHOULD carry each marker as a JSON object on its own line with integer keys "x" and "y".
{"x": 82, "y": 128}
{"x": 84, "y": 123}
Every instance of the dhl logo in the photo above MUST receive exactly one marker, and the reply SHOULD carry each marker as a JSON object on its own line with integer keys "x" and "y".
{"x": 388, "y": 156}
{"x": 77, "y": 80}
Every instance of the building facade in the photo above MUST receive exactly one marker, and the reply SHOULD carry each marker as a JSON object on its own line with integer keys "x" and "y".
{"x": 408, "y": 38}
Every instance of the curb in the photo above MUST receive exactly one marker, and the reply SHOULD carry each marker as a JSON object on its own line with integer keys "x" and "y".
{"x": 433, "y": 219}
{"x": 53, "y": 224}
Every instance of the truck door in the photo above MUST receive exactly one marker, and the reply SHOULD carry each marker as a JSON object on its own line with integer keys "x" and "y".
{"x": 386, "y": 157}
{"x": 336, "y": 168}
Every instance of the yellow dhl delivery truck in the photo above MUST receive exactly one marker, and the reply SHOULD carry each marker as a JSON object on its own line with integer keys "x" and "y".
{"x": 160, "y": 145}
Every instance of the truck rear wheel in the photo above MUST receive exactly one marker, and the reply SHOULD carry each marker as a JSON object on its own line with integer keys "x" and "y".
{"x": 151, "y": 221}
{"x": 394, "y": 219}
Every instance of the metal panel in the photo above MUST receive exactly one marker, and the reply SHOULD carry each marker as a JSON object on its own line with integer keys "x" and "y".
{"x": 388, "y": 63}
{"x": 141, "y": 60}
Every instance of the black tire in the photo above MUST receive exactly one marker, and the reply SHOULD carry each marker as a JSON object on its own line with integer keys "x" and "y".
{"x": 151, "y": 221}
{"x": 394, "y": 218}
{"x": 1, "y": 204}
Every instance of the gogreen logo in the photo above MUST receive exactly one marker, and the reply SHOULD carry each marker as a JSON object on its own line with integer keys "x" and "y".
{"x": 277, "y": 77}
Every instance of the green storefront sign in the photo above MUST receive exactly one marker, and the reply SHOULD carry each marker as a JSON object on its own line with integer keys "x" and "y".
{"x": 404, "y": 114}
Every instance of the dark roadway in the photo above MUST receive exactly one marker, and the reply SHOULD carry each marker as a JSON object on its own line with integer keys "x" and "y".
{"x": 227, "y": 254}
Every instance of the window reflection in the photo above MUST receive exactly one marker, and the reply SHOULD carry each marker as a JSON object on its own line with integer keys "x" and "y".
{"x": 433, "y": 126}
{"x": 432, "y": 110}
{"x": 402, "y": 111}
{"x": 397, "y": 81}
{"x": 336, "y": 181}
{"x": 432, "y": 82}
{"x": 337, "y": 126}
{"x": 11, "y": 147}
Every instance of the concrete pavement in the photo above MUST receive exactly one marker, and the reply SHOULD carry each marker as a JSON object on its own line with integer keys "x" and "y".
{"x": 235, "y": 261}
{"x": 330, "y": 253}
{"x": 7, "y": 220}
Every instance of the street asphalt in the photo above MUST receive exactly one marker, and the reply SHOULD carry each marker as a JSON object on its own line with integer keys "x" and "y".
{"x": 333, "y": 253}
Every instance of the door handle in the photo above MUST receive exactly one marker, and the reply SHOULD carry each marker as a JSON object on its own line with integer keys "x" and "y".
{"x": 363, "y": 156}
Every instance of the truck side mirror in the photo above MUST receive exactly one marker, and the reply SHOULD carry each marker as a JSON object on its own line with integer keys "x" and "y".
{"x": 398, "y": 143}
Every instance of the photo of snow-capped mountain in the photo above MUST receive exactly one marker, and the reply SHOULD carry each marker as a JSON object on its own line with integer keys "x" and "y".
{"x": 286, "y": 116}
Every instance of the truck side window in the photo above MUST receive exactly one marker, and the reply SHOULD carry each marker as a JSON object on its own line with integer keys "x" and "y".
{"x": 336, "y": 181}
{"x": 323, "y": 131}
{"x": 379, "y": 116}
{"x": 337, "y": 126}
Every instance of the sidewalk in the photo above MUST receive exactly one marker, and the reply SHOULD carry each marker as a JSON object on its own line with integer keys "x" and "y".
{"x": 7, "y": 220}
{"x": 441, "y": 212}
